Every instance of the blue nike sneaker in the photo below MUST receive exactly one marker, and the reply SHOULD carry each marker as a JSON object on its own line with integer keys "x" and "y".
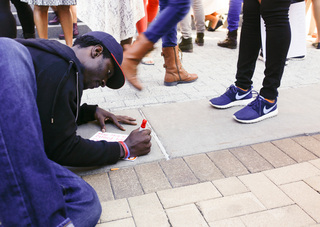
{"x": 232, "y": 97}
{"x": 257, "y": 110}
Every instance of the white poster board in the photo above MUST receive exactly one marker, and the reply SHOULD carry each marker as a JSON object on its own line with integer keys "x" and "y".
{"x": 298, "y": 31}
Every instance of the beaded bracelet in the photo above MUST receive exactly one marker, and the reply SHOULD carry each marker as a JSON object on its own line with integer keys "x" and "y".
{"x": 126, "y": 149}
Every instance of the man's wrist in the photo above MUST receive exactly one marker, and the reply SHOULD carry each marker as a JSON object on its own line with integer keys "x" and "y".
{"x": 122, "y": 152}
{"x": 126, "y": 149}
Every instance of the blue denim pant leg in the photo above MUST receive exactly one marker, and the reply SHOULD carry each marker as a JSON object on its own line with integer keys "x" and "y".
{"x": 82, "y": 203}
{"x": 165, "y": 25}
{"x": 234, "y": 14}
{"x": 29, "y": 191}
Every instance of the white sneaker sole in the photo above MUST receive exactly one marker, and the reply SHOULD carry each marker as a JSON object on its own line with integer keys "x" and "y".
{"x": 269, "y": 115}
{"x": 234, "y": 103}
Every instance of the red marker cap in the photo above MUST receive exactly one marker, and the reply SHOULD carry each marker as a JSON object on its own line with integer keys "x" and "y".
{"x": 143, "y": 124}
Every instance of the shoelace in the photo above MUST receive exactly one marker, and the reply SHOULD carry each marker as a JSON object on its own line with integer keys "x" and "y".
{"x": 230, "y": 91}
{"x": 256, "y": 104}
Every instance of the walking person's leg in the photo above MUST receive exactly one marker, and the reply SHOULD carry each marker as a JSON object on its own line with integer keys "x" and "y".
{"x": 171, "y": 12}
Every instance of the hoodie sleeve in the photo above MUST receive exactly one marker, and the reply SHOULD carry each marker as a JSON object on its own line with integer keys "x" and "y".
{"x": 86, "y": 113}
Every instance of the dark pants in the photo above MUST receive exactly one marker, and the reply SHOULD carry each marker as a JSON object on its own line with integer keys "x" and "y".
{"x": 25, "y": 15}
{"x": 34, "y": 191}
{"x": 8, "y": 27}
{"x": 275, "y": 15}
{"x": 165, "y": 25}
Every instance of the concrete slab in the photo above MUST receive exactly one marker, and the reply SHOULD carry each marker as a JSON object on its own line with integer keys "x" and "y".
{"x": 88, "y": 130}
{"x": 211, "y": 129}
{"x": 284, "y": 216}
{"x": 185, "y": 216}
{"x": 305, "y": 197}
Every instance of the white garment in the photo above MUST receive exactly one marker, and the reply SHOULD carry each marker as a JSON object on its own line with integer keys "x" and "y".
{"x": 116, "y": 17}
{"x": 211, "y": 6}
{"x": 50, "y": 2}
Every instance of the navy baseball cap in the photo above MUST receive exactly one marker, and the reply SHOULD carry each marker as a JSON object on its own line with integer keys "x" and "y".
{"x": 118, "y": 79}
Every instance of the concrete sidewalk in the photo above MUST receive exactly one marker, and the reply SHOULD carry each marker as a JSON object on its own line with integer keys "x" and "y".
{"x": 204, "y": 168}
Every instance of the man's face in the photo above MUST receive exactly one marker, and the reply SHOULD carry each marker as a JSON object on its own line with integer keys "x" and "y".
{"x": 97, "y": 72}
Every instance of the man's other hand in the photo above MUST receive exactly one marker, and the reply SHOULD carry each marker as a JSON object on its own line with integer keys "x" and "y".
{"x": 102, "y": 116}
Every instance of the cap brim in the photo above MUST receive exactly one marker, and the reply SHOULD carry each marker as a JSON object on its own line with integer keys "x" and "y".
{"x": 118, "y": 79}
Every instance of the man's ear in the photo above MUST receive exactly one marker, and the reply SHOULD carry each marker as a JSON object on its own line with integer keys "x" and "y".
{"x": 96, "y": 51}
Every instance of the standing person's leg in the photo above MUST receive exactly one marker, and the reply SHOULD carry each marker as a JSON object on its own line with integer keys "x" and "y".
{"x": 167, "y": 19}
{"x": 142, "y": 24}
{"x": 25, "y": 15}
{"x": 65, "y": 18}
{"x": 55, "y": 20}
{"x": 8, "y": 26}
{"x": 275, "y": 15}
{"x": 30, "y": 193}
{"x": 152, "y": 9}
{"x": 73, "y": 9}
{"x": 199, "y": 16}
{"x": 250, "y": 44}
{"x": 214, "y": 20}
{"x": 316, "y": 15}
{"x": 75, "y": 32}
{"x": 278, "y": 37}
{"x": 186, "y": 34}
{"x": 40, "y": 15}
{"x": 233, "y": 24}
{"x": 234, "y": 14}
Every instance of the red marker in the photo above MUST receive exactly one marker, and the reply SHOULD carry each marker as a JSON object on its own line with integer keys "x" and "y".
{"x": 143, "y": 125}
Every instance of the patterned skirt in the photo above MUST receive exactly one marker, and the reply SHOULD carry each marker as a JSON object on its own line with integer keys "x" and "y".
{"x": 50, "y": 2}
{"x": 116, "y": 17}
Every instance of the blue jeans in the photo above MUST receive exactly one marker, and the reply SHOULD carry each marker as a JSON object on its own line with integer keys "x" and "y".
{"x": 34, "y": 191}
{"x": 165, "y": 25}
{"x": 278, "y": 37}
{"x": 234, "y": 14}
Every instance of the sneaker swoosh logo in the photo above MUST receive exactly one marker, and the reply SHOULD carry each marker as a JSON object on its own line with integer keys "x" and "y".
{"x": 241, "y": 96}
{"x": 267, "y": 110}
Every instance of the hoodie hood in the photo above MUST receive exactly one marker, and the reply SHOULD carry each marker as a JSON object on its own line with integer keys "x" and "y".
{"x": 64, "y": 52}
{"x": 53, "y": 47}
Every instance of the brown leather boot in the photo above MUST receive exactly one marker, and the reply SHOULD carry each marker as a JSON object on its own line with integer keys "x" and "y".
{"x": 132, "y": 56}
{"x": 231, "y": 40}
{"x": 175, "y": 73}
